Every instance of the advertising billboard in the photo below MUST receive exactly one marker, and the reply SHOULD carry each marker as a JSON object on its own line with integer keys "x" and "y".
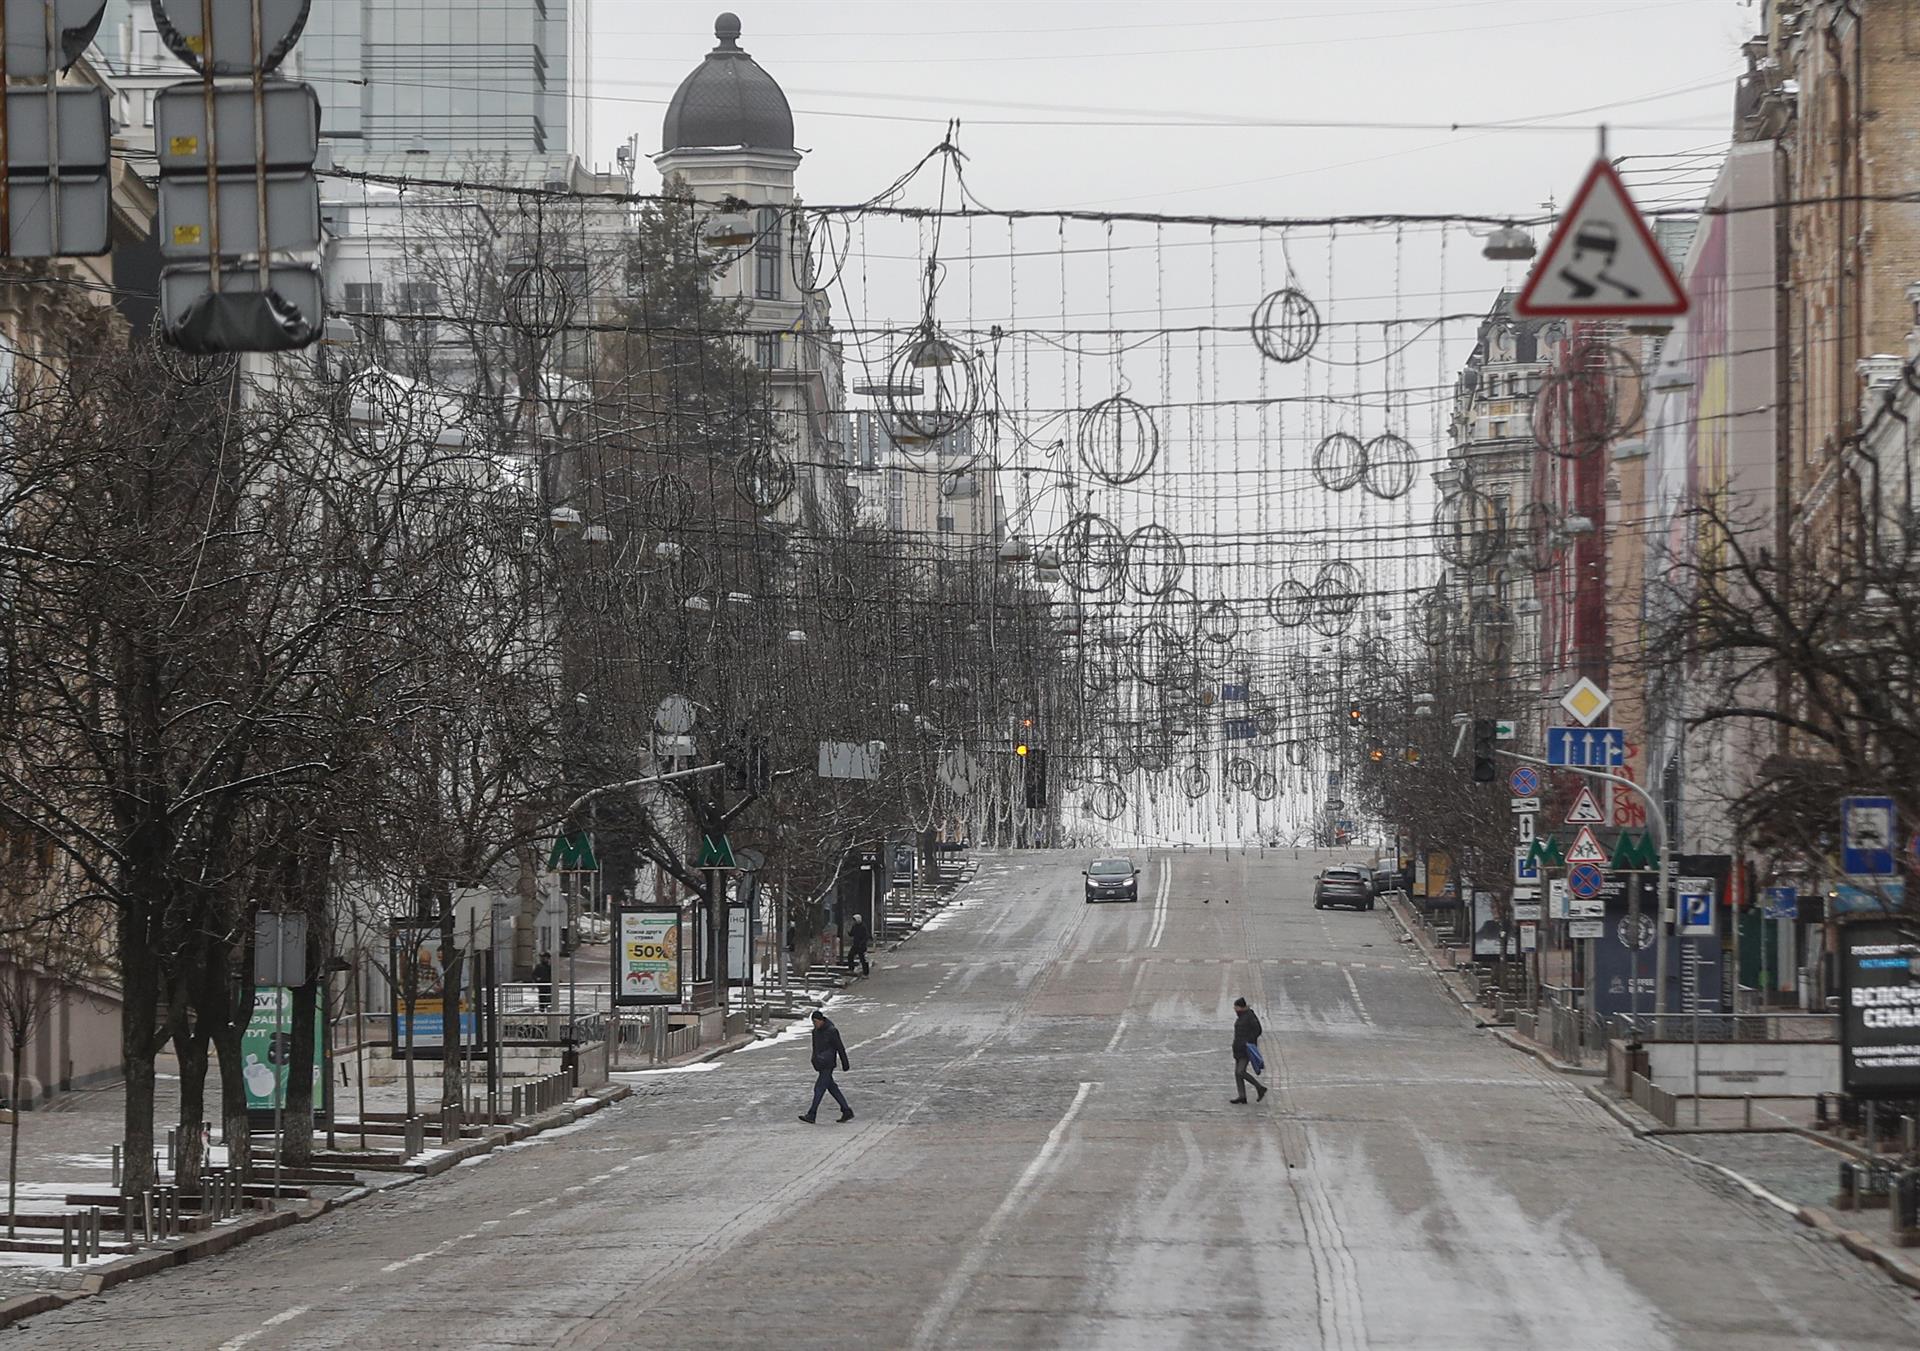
{"x": 420, "y": 988}
{"x": 646, "y": 955}
{"x": 266, "y": 1054}
{"x": 1879, "y": 1009}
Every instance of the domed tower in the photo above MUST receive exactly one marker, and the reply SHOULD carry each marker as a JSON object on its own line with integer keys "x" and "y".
{"x": 728, "y": 131}
{"x": 728, "y": 139}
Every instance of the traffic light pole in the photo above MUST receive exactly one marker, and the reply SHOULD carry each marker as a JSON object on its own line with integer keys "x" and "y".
{"x": 1658, "y": 821}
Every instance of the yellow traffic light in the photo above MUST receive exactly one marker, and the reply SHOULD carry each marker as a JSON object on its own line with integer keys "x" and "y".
{"x": 1376, "y": 755}
{"x": 1021, "y": 749}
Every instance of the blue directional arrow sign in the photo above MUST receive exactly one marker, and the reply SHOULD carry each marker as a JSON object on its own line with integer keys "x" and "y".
{"x": 1587, "y": 747}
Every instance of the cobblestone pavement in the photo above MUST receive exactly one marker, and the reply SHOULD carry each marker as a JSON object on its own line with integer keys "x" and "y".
{"x": 1045, "y": 1156}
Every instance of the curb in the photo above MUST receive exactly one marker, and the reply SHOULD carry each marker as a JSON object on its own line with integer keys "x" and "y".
{"x": 217, "y": 1241}
{"x": 1901, "y": 1269}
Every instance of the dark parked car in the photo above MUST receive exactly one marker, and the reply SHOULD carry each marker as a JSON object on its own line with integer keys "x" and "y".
{"x": 1112, "y": 879}
{"x": 1345, "y": 885}
{"x": 1386, "y": 878}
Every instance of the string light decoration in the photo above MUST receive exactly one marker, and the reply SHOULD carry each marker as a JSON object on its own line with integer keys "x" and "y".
{"x": 1285, "y": 326}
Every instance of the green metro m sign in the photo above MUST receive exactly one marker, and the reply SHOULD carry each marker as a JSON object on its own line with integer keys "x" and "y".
{"x": 1634, "y": 853}
{"x": 1546, "y": 853}
{"x": 572, "y": 853}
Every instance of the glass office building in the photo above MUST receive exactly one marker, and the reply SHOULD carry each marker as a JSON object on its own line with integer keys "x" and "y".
{"x": 495, "y": 77}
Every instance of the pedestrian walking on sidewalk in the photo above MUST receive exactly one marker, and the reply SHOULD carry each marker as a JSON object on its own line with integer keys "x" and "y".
{"x": 543, "y": 977}
{"x": 828, "y": 1050}
{"x": 1246, "y": 1048}
{"x": 857, "y": 946}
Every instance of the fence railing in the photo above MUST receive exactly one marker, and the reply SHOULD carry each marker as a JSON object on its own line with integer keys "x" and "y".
{"x": 1807, "y": 1027}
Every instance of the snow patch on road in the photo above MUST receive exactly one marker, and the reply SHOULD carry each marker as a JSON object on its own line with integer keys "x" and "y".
{"x": 634, "y": 1076}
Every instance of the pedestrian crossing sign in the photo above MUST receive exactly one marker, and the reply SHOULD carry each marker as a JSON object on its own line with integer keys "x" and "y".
{"x": 1586, "y": 848}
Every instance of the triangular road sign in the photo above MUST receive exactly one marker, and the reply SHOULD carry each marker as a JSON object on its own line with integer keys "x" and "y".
{"x": 1585, "y": 811}
{"x": 1602, "y": 261}
{"x": 1586, "y": 849}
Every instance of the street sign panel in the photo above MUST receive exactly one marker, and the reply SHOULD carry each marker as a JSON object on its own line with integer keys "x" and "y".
{"x": 1587, "y": 928}
{"x": 84, "y": 125}
{"x": 1882, "y": 896}
{"x": 1585, "y": 702}
{"x": 1584, "y": 880}
{"x": 229, "y": 44}
{"x": 1557, "y": 898}
{"x": 186, "y": 226}
{"x": 1586, "y": 848}
{"x": 1602, "y": 261}
{"x": 1525, "y": 805}
{"x": 84, "y": 218}
{"x": 286, "y": 316}
{"x": 1634, "y": 853}
{"x": 1523, "y": 828}
{"x": 1588, "y": 747}
{"x": 1866, "y": 837}
{"x": 1585, "y": 810}
{"x": 1780, "y": 902}
{"x": 1527, "y": 911}
{"x": 1525, "y": 868}
{"x": 74, "y": 24}
{"x": 1504, "y": 729}
{"x": 1880, "y": 1009}
{"x": 1524, "y": 781}
{"x": 1693, "y": 898}
{"x": 290, "y": 114}
{"x": 279, "y": 949}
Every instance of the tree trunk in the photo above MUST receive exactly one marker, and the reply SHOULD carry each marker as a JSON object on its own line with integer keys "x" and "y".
{"x": 298, "y": 1124}
{"x": 452, "y": 973}
{"x": 190, "y": 1049}
{"x": 225, "y": 1019}
{"x": 13, "y": 1145}
{"x": 526, "y": 925}
{"x": 139, "y": 1028}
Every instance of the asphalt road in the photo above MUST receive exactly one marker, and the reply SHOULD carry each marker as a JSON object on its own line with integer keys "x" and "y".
{"x": 1045, "y": 1156}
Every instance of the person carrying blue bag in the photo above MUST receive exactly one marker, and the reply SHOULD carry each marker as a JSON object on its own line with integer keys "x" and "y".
{"x": 1246, "y": 1051}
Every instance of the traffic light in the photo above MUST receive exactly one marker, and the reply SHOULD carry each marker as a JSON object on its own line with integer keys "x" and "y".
{"x": 1353, "y": 714}
{"x": 1036, "y": 778}
{"x": 1484, "y": 770}
{"x": 1022, "y": 744}
{"x": 1376, "y": 755}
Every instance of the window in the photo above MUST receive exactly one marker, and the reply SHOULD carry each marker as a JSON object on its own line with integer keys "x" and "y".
{"x": 766, "y": 351}
{"x": 1498, "y": 429}
{"x": 418, "y": 297}
{"x": 766, "y": 255}
{"x": 946, "y": 525}
{"x": 365, "y": 305}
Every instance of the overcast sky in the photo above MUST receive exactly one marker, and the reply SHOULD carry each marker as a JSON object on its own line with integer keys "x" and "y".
{"x": 1005, "y": 69}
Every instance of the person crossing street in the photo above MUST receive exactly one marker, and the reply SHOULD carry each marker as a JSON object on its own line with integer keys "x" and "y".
{"x": 1246, "y": 1046}
{"x": 857, "y": 940}
{"x": 828, "y": 1049}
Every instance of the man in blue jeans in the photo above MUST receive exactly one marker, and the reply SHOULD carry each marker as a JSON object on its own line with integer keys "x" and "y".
{"x": 827, "y": 1049}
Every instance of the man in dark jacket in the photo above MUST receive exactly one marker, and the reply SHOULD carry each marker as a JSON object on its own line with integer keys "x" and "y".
{"x": 1246, "y": 1031}
{"x": 543, "y": 977}
{"x": 857, "y": 947}
{"x": 827, "y": 1049}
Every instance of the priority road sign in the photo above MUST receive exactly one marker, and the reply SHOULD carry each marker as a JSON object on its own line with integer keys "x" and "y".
{"x": 1590, "y": 747}
{"x": 1602, "y": 261}
{"x": 1585, "y": 880}
{"x": 1585, "y": 702}
{"x": 1866, "y": 837}
{"x": 1586, "y": 848}
{"x": 1524, "y": 781}
{"x": 1585, "y": 810}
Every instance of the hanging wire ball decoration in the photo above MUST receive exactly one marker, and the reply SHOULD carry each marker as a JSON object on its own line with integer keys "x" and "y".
{"x": 765, "y": 479}
{"x": 1157, "y": 653}
{"x": 1339, "y": 461}
{"x": 1265, "y": 786}
{"x": 540, "y": 300}
{"x": 1597, "y": 396}
{"x": 666, "y": 502}
{"x": 1338, "y": 587}
{"x": 1117, "y": 440}
{"x": 1194, "y": 782}
{"x": 1106, "y": 801}
{"x": 1298, "y": 754}
{"x": 1290, "y": 603}
{"x": 1491, "y": 624}
{"x": 1219, "y": 621}
{"x": 1155, "y": 560}
{"x": 1240, "y": 773}
{"x": 1543, "y": 545}
{"x": 1092, "y": 553}
{"x": 932, "y": 389}
{"x": 1468, "y": 527}
{"x": 1285, "y": 326}
{"x": 1389, "y": 466}
{"x": 835, "y": 595}
{"x": 814, "y": 249}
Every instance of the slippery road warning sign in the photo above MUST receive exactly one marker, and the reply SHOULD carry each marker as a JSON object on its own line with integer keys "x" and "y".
{"x": 1602, "y": 261}
{"x": 1585, "y": 810}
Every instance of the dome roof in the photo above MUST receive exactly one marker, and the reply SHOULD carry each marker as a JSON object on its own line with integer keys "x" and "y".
{"x": 728, "y": 100}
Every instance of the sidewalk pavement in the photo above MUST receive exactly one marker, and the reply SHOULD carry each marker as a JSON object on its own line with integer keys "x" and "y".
{"x": 1781, "y": 1162}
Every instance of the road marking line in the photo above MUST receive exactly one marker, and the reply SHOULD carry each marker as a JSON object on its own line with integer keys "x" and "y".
{"x": 285, "y": 1316}
{"x": 1114, "y": 1040}
{"x": 933, "y": 1324}
{"x": 1160, "y": 903}
{"x": 1358, "y": 1002}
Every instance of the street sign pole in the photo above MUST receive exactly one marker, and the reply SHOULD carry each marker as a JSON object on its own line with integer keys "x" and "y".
{"x": 1657, "y": 821}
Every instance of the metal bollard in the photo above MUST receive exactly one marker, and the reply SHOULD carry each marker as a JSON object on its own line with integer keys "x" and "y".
{"x": 126, "y": 1218}
{"x": 173, "y": 1149}
{"x": 66, "y": 1240}
{"x": 1748, "y": 1107}
{"x": 116, "y": 1164}
{"x": 1910, "y": 1135}
{"x": 1849, "y": 1198}
{"x": 517, "y": 1112}
{"x": 1904, "y": 1208}
{"x": 146, "y": 1214}
{"x": 93, "y": 1224}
